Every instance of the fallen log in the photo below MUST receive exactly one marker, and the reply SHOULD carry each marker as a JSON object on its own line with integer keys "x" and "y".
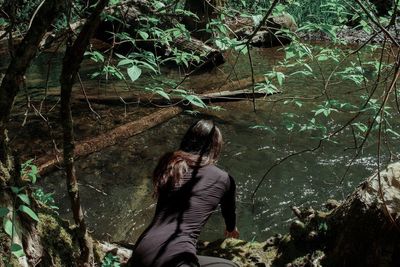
{"x": 215, "y": 94}
{"x": 223, "y": 96}
{"x": 49, "y": 162}
{"x": 209, "y": 57}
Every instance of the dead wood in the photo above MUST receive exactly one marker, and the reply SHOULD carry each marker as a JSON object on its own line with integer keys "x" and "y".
{"x": 91, "y": 145}
{"x": 232, "y": 91}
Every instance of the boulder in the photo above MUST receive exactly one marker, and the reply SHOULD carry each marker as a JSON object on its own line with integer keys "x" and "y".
{"x": 272, "y": 34}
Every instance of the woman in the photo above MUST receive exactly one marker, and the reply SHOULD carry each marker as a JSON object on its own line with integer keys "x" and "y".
{"x": 189, "y": 188}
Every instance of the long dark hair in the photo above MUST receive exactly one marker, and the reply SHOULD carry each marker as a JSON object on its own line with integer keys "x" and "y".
{"x": 200, "y": 146}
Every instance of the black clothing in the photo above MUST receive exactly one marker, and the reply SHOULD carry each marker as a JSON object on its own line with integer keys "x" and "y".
{"x": 181, "y": 213}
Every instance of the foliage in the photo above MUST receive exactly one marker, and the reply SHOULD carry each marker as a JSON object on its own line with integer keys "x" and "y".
{"x": 368, "y": 111}
{"x": 110, "y": 261}
{"x": 22, "y": 205}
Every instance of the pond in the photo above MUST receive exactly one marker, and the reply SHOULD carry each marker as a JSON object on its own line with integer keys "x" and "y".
{"x": 115, "y": 184}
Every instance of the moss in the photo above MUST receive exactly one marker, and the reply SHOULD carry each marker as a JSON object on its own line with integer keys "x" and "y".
{"x": 5, "y": 244}
{"x": 58, "y": 240}
{"x": 98, "y": 252}
{"x": 243, "y": 253}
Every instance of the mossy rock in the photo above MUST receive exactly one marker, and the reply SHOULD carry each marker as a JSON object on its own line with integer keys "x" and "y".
{"x": 241, "y": 252}
{"x": 58, "y": 240}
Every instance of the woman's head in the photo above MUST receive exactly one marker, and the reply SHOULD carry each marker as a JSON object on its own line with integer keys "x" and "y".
{"x": 200, "y": 146}
{"x": 203, "y": 139}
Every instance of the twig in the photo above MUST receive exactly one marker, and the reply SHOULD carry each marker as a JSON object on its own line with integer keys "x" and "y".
{"x": 34, "y": 14}
{"x": 86, "y": 97}
{"x": 252, "y": 77}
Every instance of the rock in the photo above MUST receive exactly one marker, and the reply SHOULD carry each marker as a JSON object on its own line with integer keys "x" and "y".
{"x": 245, "y": 254}
{"x": 364, "y": 229}
{"x": 273, "y": 240}
{"x": 284, "y": 21}
{"x": 332, "y": 204}
{"x": 270, "y": 35}
{"x": 312, "y": 236}
{"x": 298, "y": 230}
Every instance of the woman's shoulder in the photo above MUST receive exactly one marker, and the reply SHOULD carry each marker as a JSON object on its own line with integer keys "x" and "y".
{"x": 215, "y": 170}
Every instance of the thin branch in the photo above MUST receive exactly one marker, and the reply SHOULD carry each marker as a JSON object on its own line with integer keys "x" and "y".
{"x": 86, "y": 97}
{"x": 252, "y": 77}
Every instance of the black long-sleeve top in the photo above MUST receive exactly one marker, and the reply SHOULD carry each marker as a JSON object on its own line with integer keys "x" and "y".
{"x": 181, "y": 213}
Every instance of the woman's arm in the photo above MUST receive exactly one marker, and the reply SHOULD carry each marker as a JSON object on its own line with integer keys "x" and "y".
{"x": 228, "y": 208}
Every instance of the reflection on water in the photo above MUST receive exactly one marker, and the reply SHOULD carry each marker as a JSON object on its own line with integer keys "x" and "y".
{"x": 116, "y": 189}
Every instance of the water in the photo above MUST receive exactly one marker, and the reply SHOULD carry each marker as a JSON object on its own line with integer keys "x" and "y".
{"x": 115, "y": 183}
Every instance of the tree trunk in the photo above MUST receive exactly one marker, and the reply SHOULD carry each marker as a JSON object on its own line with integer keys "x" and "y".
{"x": 20, "y": 62}
{"x": 71, "y": 63}
{"x": 10, "y": 85}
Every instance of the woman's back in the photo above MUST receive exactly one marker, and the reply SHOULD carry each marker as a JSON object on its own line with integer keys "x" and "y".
{"x": 181, "y": 213}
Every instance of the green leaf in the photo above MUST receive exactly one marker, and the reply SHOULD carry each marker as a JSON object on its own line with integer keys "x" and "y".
{"x": 2, "y": 22}
{"x": 134, "y": 72}
{"x": 289, "y": 125}
{"x": 322, "y": 58}
{"x": 308, "y": 67}
{"x": 280, "y": 76}
{"x": 24, "y": 198}
{"x": 319, "y": 111}
{"x": 163, "y": 94}
{"x": 15, "y": 190}
{"x": 8, "y": 226}
{"x": 195, "y": 100}
{"x": 125, "y": 61}
{"x": 257, "y": 19}
{"x": 33, "y": 177}
{"x": 28, "y": 211}
{"x": 4, "y": 212}
{"x": 298, "y": 103}
{"x": 144, "y": 35}
{"x": 289, "y": 54}
{"x": 17, "y": 250}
